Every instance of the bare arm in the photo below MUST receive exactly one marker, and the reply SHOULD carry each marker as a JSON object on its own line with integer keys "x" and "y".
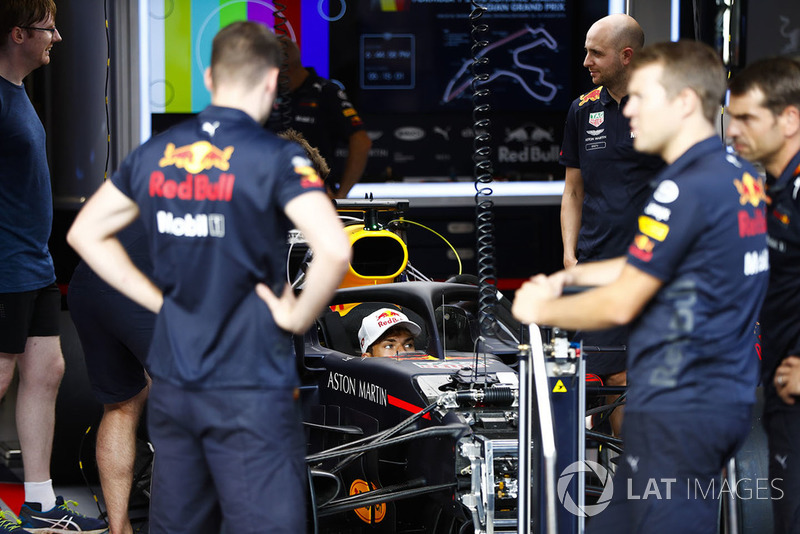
{"x": 595, "y": 273}
{"x": 358, "y": 147}
{"x": 92, "y": 235}
{"x": 325, "y": 235}
{"x": 539, "y": 301}
{"x": 571, "y": 207}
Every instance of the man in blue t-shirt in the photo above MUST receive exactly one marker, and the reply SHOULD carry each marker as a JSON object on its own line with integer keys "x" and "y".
{"x": 606, "y": 181}
{"x": 217, "y": 196}
{"x": 764, "y": 111}
{"x": 30, "y": 302}
{"x": 691, "y": 286}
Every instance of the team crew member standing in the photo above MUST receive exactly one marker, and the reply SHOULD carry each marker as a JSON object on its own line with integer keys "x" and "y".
{"x": 30, "y": 302}
{"x": 693, "y": 281}
{"x": 606, "y": 180}
{"x": 320, "y": 110}
{"x": 217, "y": 196}
{"x": 764, "y": 126}
{"x": 115, "y": 335}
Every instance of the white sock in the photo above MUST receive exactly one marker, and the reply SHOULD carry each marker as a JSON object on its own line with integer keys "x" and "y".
{"x": 42, "y": 493}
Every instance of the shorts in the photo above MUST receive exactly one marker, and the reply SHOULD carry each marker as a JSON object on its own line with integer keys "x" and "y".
{"x": 28, "y": 314}
{"x": 115, "y": 334}
{"x": 606, "y": 362}
{"x": 669, "y": 478}
{"x": 226, "y": 455}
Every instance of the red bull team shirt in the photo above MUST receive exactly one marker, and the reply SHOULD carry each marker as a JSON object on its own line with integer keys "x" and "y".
{"x": 780, "y": 315}
{"x": 321, "y": 111}
{"x": 211, "y": 192}
{"x": 616, "y": 178}
{"x": 702, "y": 233}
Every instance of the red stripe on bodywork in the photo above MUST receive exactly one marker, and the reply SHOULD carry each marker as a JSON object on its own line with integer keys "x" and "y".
{"x": 407, "y": 406}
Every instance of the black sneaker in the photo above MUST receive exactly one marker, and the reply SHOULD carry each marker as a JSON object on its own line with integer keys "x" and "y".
{"x": 58, "y": 520}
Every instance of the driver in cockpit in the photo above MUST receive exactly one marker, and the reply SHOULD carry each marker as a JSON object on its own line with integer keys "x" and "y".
{"x": 387, "y": 332}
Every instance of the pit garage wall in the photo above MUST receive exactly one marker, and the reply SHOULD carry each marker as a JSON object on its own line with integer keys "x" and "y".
{"x": 70, "y": 94}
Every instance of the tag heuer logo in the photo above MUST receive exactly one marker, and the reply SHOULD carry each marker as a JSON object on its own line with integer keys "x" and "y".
{"x": 596, "y": 119}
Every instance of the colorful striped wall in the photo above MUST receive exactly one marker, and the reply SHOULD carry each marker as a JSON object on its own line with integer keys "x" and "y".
{"x": 181, "y": 32}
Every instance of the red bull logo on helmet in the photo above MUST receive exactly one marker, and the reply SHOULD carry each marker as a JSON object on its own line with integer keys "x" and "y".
{"x": 197, "y": 157}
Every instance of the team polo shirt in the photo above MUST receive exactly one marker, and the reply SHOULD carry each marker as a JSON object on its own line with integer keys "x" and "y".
{"x": 26, "y": 203}
{"x": 320, "y": 110}
{"x": 703, "y": 233}
{"x": 780, "y": 315}
{"x": 616, "y": 178}
{"x": 211, "y": 193}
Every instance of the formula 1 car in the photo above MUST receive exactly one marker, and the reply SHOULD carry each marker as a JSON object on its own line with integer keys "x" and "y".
{"x": 425, "y": 441}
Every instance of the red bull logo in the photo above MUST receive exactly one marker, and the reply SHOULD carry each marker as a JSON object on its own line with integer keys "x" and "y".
{"x": 193, "y": 187}
{"x": 782, "y": 217}
{"x": 751, "y": 190}
{"x": 591, "y": 96}
{"x": 642, "y": 247}
{"x": 750, "y": 226}
{"x": 388, "y": 317}
{"x": 197, "y": 157}
{"x": 308, "y": 176}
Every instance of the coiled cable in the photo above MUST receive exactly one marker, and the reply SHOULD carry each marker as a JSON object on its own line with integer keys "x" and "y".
{"x": 481, "y": 158}
{"x": 284, "y": 98}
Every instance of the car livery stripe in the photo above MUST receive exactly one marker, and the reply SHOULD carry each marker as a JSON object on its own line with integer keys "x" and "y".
{"x": 407, "y": 406}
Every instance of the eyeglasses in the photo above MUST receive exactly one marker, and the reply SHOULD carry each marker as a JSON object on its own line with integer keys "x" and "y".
{"x": 51, "y": 30}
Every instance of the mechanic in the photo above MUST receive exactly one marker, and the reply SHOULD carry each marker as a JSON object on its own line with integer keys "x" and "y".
{"x": 764, "y": 127}
{"x": 606, "y": 180}
{"x": 320, "y": 110}
{"x": 223, "y": 410}
{"x": 693, "y": 282}
{"x": 387, "y": 332}
{"x": 115, "y": 335}
{"x": 30, "y": 301}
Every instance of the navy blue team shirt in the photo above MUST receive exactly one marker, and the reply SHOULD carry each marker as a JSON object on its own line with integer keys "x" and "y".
{"x": 780, "y": 326}
{"x": 616, "y": 178}
{"x": 211, "y": 192}
{"x": 321, "y": 111}
{"x": 702, "y": 233}
{"x": 26, "y": 203}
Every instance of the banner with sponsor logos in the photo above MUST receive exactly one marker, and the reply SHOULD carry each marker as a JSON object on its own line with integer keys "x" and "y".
{"x": 440, "y": 146}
